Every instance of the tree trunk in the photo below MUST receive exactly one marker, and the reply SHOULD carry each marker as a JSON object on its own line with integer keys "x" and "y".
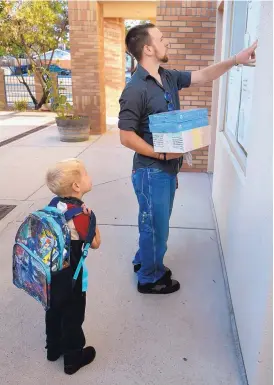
{"x": 43, "y": 100}
{"x": 30, "y": 93}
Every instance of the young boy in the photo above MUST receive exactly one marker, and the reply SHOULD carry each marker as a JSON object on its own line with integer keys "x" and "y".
{"x": 69, "y": 180}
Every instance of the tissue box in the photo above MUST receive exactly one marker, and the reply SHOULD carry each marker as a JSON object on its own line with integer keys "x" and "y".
{"x": 180, "y": 131}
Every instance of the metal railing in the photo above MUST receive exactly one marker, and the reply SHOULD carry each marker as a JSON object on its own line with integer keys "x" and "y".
{"x": 16, "y": 91}
{"x": 65, "y": 87}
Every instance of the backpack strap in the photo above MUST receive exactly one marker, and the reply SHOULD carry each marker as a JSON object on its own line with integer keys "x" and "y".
{"x": 91, "y": 234}
{"x": 91, "y": 229}
{"x": 71, "y": 213}
{"x": 54, "y": 202}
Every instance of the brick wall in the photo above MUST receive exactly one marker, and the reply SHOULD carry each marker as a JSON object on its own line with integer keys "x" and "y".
{"x": 114, "y": 31}
{"x": 87, "y": 61}
{"x": 190, "y": 28}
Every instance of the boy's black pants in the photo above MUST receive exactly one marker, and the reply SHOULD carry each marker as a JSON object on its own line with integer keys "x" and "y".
{"x": 64, "y": 325}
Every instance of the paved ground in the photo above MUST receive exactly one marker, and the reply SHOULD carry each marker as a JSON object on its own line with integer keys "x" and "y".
{"x": 181, "y": 339}
{"x": 16, "y": 123}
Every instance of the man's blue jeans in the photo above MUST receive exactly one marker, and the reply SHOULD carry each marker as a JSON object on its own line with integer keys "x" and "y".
{"x": 155, "y": 192}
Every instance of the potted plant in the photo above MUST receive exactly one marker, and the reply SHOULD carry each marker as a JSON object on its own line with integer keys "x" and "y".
{"x": 71, "y": 127}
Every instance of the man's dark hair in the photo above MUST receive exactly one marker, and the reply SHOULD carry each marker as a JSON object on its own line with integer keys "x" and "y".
{"x": 137, "y": 37}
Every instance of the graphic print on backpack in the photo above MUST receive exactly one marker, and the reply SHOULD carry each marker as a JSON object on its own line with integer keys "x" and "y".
{"x": 42, "y": 247}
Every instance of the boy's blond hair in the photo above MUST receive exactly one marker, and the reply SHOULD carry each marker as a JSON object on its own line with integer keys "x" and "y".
{"x": 60, "y": 177}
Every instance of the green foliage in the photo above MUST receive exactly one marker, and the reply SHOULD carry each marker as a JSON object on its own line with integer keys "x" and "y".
{"x": 63, "y": 109}
{"x": 21, "y": 105}
{"x": 60, "y": 105}
{"x": 30, "y": 29}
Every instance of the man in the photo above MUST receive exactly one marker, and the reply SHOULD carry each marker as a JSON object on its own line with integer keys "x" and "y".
{"x": 152, "y": 90}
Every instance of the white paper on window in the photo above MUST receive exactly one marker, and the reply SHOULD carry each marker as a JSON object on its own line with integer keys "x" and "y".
{"x": 233, "y": 99}
{"x": 245, "y": 106}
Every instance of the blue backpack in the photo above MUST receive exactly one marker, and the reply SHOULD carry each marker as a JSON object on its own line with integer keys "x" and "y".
{"x": 41, "y": 255}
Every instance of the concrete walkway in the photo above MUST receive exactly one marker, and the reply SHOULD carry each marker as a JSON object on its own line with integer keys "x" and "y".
{"x": 16, "y": 123}
{"x": 181, "y": 339}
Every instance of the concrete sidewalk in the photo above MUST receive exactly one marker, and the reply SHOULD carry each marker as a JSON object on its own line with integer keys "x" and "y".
{"x": 13, "y": 123}
{"x": 181, "y": 339}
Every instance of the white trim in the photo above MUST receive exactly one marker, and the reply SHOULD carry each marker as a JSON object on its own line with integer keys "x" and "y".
{"x": 226, "y": 40}
{"x": 237, "y": 151}
{"x": 216, "y": 87}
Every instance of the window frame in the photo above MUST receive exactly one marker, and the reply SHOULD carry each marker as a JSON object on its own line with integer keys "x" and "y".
{"x": 236, "y": 148}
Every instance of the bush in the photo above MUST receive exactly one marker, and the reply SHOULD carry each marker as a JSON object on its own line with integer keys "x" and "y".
{"x": 21, "y": 105}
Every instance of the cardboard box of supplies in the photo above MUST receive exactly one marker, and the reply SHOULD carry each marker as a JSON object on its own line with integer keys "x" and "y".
{"x": 180, "y": 131}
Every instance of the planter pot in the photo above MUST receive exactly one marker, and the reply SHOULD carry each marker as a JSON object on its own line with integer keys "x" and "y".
{"x": 73, "y": 130}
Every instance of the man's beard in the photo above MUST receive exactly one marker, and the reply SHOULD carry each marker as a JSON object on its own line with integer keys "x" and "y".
{"x": 164, "y": 59}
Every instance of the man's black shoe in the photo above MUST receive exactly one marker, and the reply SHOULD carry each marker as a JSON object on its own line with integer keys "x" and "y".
{"x": 164, "y": 285}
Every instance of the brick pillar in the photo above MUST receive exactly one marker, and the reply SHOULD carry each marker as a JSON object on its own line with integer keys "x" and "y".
{"x": 190, "y": 28}
{"x": 3, "y": 100}
{"x": 87, "y": 61}
{"x": 114, "y": 33}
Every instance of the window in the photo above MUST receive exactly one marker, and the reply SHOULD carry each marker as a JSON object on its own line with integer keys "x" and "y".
{"x": 244, "y": 31}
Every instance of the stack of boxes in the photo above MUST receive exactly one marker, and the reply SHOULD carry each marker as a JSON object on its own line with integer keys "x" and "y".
{"x": 180, "y": 131}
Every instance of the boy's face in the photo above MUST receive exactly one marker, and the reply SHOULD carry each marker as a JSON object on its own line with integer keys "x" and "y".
{"x": 83, "y": 185}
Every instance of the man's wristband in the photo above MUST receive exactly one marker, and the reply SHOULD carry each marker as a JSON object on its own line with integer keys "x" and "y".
{"x": 162, "y": 156}
{"x": 235, "y": 61}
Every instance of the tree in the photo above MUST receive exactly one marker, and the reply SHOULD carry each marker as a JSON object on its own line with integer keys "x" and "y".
{"x": 30, "y": 29}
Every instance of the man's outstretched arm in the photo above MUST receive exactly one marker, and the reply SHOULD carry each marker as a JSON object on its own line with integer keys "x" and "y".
{"x": 213, "y": 72}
